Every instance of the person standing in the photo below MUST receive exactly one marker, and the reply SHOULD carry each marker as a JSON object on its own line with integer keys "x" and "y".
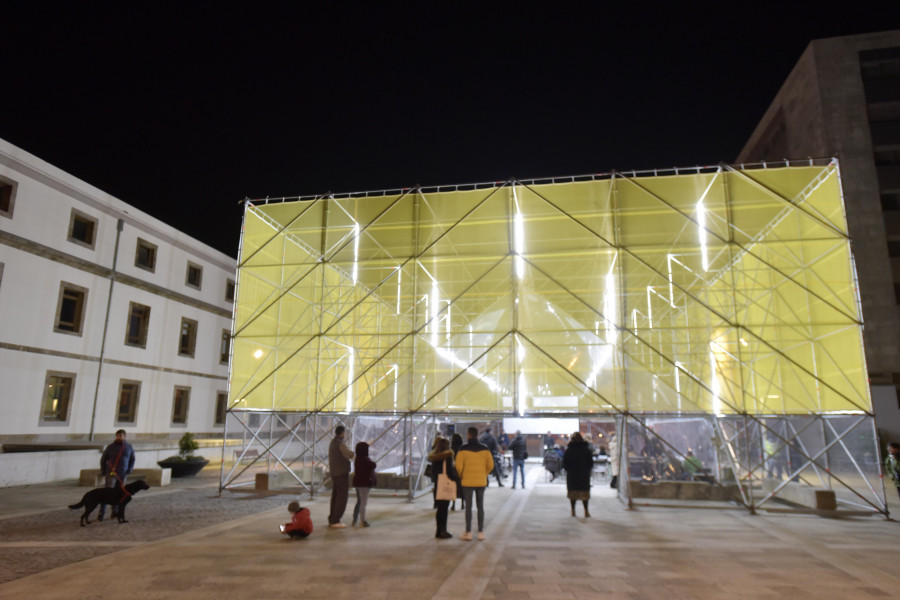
{"x": 456, "y": 442}
{"x": 613, "y": 461}
{"x": 116, "y": 462}
{"x": 517, "y": 447}
{"x": 442, "y": 462}
{"x": 363, "y": 481}
{"x": 339, "y": 456}
{"x": 503, "y": 440}
{"x": 691, "y": 465}
{"x": 488, "y": 439}
{"x": 892, "y": 464}
{"x": 578, "y": 463}
{"x": 549, "y": 441}
{"x": 474, "y": 464}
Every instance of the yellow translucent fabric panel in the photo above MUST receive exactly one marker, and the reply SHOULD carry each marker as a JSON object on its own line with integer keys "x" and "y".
{"x": 724, "y": 291}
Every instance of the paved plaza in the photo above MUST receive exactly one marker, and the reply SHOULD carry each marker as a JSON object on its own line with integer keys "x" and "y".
{"x": 185, "y": 542}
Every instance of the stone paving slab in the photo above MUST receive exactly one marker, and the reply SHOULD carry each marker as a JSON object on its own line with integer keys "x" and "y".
{"x": 534, "y": 550}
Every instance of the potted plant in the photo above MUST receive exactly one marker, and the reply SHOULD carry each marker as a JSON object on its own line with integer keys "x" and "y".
{"x": 185, "y": 464}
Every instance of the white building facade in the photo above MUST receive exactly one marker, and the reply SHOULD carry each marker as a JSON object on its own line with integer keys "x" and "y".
{"x": 109, "y": 318}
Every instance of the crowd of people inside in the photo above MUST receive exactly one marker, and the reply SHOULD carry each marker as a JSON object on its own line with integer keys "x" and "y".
{"x": 461, "y": 471}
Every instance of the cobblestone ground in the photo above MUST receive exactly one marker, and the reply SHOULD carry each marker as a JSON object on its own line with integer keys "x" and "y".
{"x": 37, "y": 542}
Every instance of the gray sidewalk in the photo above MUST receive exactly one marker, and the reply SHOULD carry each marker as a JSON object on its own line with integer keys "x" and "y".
{"x": 534, "y": 549}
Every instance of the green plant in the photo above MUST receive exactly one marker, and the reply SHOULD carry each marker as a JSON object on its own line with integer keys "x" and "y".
{"x": 186, "y": 446}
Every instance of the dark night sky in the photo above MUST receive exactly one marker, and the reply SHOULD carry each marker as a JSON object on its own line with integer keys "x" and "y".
{"x": 183, "y": 109}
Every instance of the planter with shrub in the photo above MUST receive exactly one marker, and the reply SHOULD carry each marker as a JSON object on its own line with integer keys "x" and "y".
{"x": 185, "y": 464}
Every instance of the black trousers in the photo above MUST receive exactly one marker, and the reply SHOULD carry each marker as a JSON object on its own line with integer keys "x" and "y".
{"x": 340, "y": 489}
{"x": 441, "y": 517}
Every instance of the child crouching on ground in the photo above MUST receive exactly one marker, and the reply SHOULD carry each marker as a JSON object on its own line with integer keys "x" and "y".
{"x": 301, "y": 525}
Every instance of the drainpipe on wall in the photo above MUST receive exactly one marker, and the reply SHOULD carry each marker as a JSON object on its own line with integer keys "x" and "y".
{"x": 112, "y": 281}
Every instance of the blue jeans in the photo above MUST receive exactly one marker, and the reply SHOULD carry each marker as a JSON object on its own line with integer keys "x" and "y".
{"x": 362, "y": 499}
{"x": 479, "y": 499}
{"x": 519, "y": 465}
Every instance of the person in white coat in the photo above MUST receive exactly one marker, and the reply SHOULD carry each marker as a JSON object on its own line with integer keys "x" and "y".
{"x": 613, "y": 460}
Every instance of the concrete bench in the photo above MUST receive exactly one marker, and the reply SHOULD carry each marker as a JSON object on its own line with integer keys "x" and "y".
{"x": 153, "y": 477}
{"x": 283, "y": 479}
{"x": 684, "y": 490}
{"x": 249, "y": 456}
{"x": 803, "y": 495}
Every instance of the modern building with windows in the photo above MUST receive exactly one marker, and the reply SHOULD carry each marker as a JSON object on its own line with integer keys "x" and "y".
{"x": 843, "y": 99}
{"x": 109, "y": 318}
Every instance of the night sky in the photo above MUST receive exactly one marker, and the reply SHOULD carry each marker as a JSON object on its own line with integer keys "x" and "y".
{"x": 184, "y": 109}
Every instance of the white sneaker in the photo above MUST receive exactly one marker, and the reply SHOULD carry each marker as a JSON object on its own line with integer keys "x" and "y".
{"x": 480, "y": 535}
{"x": 337, "y": 526}
{"x": 467, "y": 536}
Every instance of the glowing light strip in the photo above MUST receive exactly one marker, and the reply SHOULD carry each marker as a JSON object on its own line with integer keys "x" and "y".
{"x": 602, "y": 359}
{"x": 714, "y": 381}
{"x": 452, "y": 359}
{"x": 355, "y": 252}
{"x": 701, "y": 222}
{"x": 447, "y": 321}
{"x": 609, "y": 308}
{"x": 520, "y": 394}
{"x": 677, "y": 378}
{"x": 351, "y": 364}
{"x": 399, "y": 280}
{"x": 701, "y": 233}
{"x": 518, "y": 236}
{"x": 434, "y": 302}
{"x": 396, "y": 370}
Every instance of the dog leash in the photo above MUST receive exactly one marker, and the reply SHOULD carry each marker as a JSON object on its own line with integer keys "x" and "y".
{"x": 115, "y": 470}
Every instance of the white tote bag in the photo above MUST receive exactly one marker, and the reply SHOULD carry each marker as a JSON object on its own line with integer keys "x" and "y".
{"x": 446, "y": 487}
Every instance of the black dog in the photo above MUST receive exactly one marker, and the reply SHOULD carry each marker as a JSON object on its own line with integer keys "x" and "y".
{"x": 110, "y": 495}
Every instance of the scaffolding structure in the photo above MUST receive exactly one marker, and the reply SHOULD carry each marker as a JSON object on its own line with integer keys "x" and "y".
{"x": 710, "y": 310}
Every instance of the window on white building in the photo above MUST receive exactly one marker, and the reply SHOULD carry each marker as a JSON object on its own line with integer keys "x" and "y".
{"x": 180, "y": 405}
{"x": 187, "y": 338}
{"x": 194, "y": 275}
{"x": 229, "y": 290}
{"x": 145, "y": 255}
{"x": 7, "y": 196}
{"x": 224, "y": 347}
{"x": 129, "y": 394}
{"x": 57, "y": 401}
{"x": 70, "y": 309}
{"x": 82, "y": 229}
{"x": 221, "y": 405}
{"x": 138, "y": 325}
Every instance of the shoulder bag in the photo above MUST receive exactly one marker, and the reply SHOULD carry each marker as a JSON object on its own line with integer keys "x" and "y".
{"x": 446, "y": 487}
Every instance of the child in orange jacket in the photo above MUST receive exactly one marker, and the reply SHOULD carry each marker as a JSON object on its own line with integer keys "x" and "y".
{"x": 301, "y": 525}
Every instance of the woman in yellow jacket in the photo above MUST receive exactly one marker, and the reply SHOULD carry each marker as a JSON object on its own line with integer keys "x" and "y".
{"x": 473, "y": 464}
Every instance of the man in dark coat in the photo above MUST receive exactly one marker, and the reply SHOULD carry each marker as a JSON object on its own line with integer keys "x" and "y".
{"x": 116, "y": 463}
{"x": 578, "y": 463}
{"x": 339, "y": 456}
{"x": 517, "y": 447}
{"x": 488, "y": 439}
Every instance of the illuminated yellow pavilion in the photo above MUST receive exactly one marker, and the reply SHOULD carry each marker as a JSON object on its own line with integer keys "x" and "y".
{"x": 721, "y": 293}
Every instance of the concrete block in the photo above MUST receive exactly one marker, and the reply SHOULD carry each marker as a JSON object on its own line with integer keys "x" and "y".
{"x": 262, "y": 481}
{"x": 802, "y": 495}
{"x": 284, "y": 479}
{"x": 684, "y": 490}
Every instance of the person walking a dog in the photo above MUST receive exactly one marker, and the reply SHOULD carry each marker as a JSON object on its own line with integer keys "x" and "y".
{"x": 339, "y": 456}
{"x": 116, "y": 463}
